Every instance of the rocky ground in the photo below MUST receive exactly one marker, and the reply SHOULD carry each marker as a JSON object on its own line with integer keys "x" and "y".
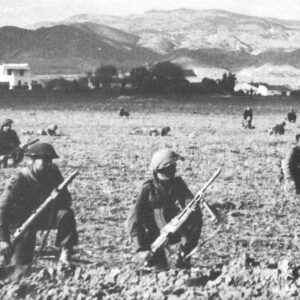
{"x": 254, "y": 255}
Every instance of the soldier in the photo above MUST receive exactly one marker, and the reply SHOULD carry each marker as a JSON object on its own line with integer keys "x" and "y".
{"x": 9, "y": 141}
{"x": 159, "y": 200}
{"x": 23, "y": 195}
{"x": 165, "y": 131}
{"x": 278, "y": 129}
{"x": 52, "y": 130}
{"x": 247, "y": 118}
{"x": 123, "y": 112}
{"x": 291, "y": 116}
{"x": 291, "y": 169}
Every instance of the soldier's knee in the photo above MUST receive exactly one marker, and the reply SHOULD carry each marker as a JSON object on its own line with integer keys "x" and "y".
{"x": 65, "y": 216}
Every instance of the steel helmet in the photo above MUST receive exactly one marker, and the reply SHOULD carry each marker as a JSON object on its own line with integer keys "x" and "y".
{"x": 163, "y": 158}
{"x": 41, "y": 150}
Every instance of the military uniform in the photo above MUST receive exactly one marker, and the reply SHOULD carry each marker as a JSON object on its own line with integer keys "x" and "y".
{"x": 9, "y": 141}
{"x": 248, "y": 113}
{"x": 51, "y": 130}
{"x": 157, "y": 203}
{"x": 291, "y": 116}
{"x": 22, "y": 196}
{"x": 291, "y": 169}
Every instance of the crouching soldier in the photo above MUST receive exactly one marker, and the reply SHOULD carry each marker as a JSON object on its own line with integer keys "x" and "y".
{"x": 292, "y": 116}
{"x": 161, "y": 198}
{"x": 247, "y": 118}
{"x": 291, "y": 169}
{"x": 9, "y": 141}
{"x": 23, "y": 195}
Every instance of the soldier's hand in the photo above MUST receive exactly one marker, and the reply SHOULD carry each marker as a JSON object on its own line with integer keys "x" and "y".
{"x": 289, "y": 187}
{"x": 143, "y": 255}
{"x": 5, "y": 249}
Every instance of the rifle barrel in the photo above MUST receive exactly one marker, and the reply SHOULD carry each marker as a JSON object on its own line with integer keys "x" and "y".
{"x": 20, "y": 231}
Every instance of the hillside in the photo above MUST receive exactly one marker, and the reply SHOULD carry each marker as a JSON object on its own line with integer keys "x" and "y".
{"x": 71, "y": 49}
{"x": 196, "y": 29}
{"x": 202, "y": 39}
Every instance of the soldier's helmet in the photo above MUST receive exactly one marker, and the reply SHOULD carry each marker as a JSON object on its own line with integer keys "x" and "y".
{"x": 164, "y": 158}
{"x": 7, "y": 122}
{"x": 41, "y": 150}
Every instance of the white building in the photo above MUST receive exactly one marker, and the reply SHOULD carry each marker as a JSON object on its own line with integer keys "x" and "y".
{"x": 265, "y": 89}
{"x": 15, "y": 75}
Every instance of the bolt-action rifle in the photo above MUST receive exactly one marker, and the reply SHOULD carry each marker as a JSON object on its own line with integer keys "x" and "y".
{"x": 31, "y": 220}
{"x": 21, "y": 147}
{"x": 176, "y": 223}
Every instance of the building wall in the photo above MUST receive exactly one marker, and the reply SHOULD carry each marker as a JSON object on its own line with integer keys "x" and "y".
{"x": 263, "y": 90}
{"x": 15, "y": 76}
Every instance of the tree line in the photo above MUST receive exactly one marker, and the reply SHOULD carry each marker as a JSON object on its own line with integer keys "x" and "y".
{"x": 162, "y": 78}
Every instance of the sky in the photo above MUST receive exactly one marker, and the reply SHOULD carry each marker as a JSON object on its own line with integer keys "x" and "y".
{"x": 23, "y": 13}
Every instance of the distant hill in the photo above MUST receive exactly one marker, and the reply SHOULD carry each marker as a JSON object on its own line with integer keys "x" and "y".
{"x": 72, "y": 48}
{"x": 216, "y": 39}
{"x": 196, "y": 29}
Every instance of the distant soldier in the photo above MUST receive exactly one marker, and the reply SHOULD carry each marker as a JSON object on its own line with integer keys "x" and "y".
{"x": 9, "y": 141}
{"x": 52, "y": 130}
{"x": 248, "y": 118}
{"x": 23, "y": 195}
{"x": 291, "y": 169}
{"x": 153, "y": 132}
{"x": 165, "y": 131}
{"x": 123, "y": 112}
{"x": 160, "y": 199}
{"x": 291, "y": 116}
{"x": 278, "y": 129}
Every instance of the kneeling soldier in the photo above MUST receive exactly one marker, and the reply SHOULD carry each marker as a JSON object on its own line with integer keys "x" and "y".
{"x": 24, "y": 194}
{"x": 9, "y": 141}
{"x": 160, "y": 199}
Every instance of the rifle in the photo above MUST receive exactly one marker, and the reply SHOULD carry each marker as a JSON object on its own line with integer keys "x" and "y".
{"x": 176, "y": 223}
{"x": 20, "y": 147}
{"x": 30, "y": 221}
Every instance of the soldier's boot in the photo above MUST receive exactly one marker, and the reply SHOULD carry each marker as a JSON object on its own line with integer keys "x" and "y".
{"x": 183, "y": 262}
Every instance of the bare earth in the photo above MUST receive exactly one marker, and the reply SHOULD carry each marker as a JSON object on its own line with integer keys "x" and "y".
{"x": 255, "y": 255}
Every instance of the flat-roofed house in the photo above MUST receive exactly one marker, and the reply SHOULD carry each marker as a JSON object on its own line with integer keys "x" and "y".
{"x": 15, "y": 75}
{"x": 265, "y": 89}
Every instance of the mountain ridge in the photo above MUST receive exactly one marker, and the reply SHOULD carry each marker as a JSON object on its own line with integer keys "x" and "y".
{"x": 214, "y": 39}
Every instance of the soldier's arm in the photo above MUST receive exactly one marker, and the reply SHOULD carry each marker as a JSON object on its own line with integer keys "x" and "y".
{"x": 64, "y": 200}
{"x": 14, "y": 140}
{"x": 7, "y": 199}
{"x": 135, "y": 219}
{"x": 185, "y": 195}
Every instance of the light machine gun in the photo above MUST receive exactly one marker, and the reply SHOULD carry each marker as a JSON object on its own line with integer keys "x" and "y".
{"x": 176, "y": 223}
{"x": 31, "y": 220}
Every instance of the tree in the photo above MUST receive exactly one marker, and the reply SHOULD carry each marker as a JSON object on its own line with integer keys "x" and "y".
{"x": 227, "y": 83}
{"x": 140, "y": 77}
{"x": 103, "y": 76}
{"x": 209, "y": 86}
{"x": 168, "y": 77}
